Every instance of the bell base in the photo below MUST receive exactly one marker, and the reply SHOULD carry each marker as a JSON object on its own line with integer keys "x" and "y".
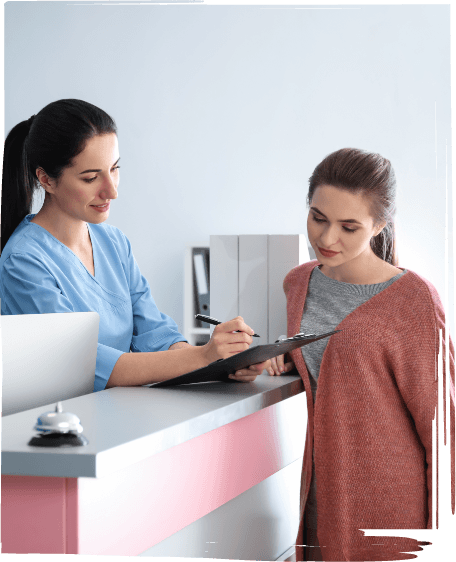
{"x": 58, "y": 440}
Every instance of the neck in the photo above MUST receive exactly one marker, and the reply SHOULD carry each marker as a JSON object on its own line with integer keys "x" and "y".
{"x": 70, "y": 231}
{"x": 365, "y": 269}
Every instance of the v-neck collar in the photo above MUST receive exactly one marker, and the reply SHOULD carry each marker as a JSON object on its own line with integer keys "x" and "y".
{"x": 92, "y": 238}
{"x": 94, "y": 253}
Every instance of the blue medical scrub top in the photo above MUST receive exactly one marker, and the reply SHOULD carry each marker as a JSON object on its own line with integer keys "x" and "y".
{"x": 39, "y": 274}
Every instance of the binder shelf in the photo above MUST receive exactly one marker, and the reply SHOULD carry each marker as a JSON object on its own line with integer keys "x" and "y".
{"x": 196, "y": 293}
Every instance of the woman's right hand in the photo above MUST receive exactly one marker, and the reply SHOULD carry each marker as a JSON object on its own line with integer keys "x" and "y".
{"x": 226, "y": 340}
{"x": 279, "y": 367}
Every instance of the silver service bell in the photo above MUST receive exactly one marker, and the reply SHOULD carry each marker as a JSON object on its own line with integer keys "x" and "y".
{"x": 58, "y": 421}
{"x": 58, "y": 429}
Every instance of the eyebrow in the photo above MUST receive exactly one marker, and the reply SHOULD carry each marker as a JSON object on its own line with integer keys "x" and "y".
{"x": 87, "y": 171}
{"x": 347, "y": 220}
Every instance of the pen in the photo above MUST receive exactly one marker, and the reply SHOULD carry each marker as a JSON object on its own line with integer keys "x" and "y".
{"x": 215, "y": 322}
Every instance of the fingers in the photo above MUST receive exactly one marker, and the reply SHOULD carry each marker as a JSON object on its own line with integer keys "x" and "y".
{"x": 226, "y": 341}
{"x": 277, "y": 365}
{"x": 250, "y": 374}
{"x": 260, "y": 367}
{"x": 225, "y": 333}
{"x": 235, "y": 325}
{"x": 288, "y": 367}
{"x": 273, "y": 368}
{"x": 244, "y": 375}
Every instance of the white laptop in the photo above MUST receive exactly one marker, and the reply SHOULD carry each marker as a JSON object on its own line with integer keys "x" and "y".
{"x": 47, "y": 358}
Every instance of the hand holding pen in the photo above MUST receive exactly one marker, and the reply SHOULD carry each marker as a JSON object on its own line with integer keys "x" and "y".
{"x": 229, "y": 338}
{"x": 215, "y": 322}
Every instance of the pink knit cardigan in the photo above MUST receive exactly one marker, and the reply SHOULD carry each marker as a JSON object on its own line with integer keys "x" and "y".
{"x": 371, "y": 423}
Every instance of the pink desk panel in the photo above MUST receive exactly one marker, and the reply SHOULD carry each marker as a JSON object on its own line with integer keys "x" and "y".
{"x": 133, "y": 509}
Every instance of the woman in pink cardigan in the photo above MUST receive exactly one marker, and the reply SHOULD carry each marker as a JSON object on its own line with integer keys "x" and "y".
{"x": 372, "y": 388}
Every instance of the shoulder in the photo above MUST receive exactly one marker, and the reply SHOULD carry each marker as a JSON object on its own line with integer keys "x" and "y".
{"x": 112, "y": 235}
{"x": 415, "y": 298}
{"x": 298, "y": 275}
{"x": 27, "y": 240}
{"x": 426, "y": 299}
{"x": 423, "y": 292}
{"x": 108, "y": 231}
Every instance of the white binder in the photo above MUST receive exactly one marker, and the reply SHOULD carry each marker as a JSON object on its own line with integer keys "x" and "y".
{"x": 247, "y": 273}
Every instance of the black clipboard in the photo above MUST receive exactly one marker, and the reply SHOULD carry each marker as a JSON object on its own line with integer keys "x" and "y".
{"x": 219, "y": 370}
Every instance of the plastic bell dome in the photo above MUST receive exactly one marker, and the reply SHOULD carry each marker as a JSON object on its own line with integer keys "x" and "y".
{"x": 58, "y": 421}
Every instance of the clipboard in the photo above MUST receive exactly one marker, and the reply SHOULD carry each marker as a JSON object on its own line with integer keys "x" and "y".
{"x": 220, "y": 369}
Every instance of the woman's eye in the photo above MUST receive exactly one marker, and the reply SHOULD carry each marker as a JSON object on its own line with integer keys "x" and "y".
{"x": 90, "y": 180}
{"x": 316, "y": 219}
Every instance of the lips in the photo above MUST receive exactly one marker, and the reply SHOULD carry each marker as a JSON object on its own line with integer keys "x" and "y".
{"x": 327, "y": 253}
{"x": 101, "y": 208}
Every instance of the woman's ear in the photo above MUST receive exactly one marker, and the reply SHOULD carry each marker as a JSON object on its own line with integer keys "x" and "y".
{"x": 47, "y": 183}
{"x": 379, "y": 228}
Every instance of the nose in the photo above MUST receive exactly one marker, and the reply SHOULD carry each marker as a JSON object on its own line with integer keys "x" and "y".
{"x": 109, "y": 189}
{"x": 329, "y": 236}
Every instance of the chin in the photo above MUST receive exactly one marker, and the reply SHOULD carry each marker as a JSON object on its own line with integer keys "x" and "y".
{"x": 101, "y": 218}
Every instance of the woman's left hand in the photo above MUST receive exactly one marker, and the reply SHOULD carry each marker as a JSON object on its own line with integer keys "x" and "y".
{"x": 250, "y": 374}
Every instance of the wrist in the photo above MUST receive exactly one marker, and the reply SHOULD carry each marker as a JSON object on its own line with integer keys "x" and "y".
{"x": 207, "y": 353}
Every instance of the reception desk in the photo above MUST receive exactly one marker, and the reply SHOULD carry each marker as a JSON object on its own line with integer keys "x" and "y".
{"x": 209, "y": 470}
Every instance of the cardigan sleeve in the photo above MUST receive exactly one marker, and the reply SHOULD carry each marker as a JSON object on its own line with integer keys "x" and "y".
{"x": 423, "y": 357}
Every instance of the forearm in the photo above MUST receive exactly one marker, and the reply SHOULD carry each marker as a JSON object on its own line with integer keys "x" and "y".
{"x": 179, "y": 345}
{"x": 135, "y": 369}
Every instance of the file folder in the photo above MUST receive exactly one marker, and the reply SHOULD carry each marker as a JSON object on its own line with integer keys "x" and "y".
{"x": 201, "y": 281}
{"x": 253, "y": 283}
{"x": 285, "y": 251}
{"x": 219, "y": 370}
{"x": 224, "y": 272}
{"x": 247, "y": 273}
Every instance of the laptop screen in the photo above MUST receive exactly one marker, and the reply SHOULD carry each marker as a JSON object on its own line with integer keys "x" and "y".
{"x": 47, "y": 358}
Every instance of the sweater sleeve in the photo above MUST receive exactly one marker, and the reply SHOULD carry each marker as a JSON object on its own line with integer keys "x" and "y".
{"x": 418, "y": 378}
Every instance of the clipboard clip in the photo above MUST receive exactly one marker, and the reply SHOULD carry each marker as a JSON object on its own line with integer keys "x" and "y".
{"x": 296, "y": 337}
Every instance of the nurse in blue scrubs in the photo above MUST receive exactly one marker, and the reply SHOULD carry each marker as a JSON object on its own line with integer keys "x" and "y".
{"x": 65, "y": 259}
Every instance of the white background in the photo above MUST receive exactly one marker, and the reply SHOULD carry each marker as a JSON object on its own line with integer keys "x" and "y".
{"x": 224, "y": 111}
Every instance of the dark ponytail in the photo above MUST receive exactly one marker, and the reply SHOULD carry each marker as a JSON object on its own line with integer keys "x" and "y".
{"x": 18, "y": 184}
{"x": 372, "y": 175}
{"x": 48, "y": 140}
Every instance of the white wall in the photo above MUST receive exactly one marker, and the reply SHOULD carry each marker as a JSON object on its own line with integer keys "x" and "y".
{"x": 224, "y": 111}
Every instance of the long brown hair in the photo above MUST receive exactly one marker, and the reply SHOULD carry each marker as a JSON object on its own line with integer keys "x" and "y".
{"x": 50, "y": 140}
{"x": 372, "y": 175}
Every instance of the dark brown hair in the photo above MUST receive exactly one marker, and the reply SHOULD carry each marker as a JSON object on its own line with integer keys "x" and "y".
{"x": 50, "y": 140}
{"x": 358, "y": 171}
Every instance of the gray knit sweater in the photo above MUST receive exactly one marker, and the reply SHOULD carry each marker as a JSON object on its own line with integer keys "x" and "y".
{"x": 328, "y": 302}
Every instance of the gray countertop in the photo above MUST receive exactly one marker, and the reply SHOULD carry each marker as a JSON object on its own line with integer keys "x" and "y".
{"x": 127, "y": 424}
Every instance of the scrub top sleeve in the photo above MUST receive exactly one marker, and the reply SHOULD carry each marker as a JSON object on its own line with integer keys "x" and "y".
{"x": 27, "y": 287}
{"x": 152, "y": 330}
{"x": 107, "y": 357}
